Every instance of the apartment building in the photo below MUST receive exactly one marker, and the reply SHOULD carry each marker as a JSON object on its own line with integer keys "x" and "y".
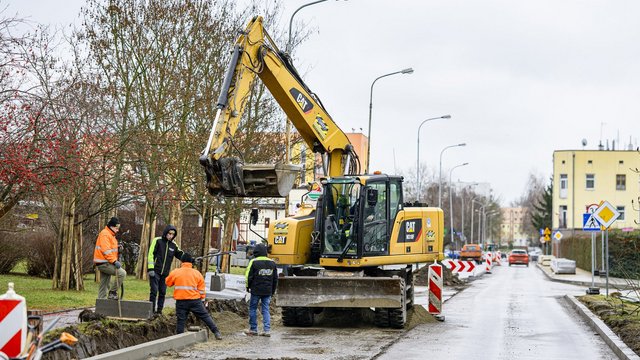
{"x": 585, "y": 177}
{"x": 512, "y": 229}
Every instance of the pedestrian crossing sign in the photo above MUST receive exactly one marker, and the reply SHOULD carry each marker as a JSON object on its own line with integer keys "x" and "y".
{"x": 589, "y": 223}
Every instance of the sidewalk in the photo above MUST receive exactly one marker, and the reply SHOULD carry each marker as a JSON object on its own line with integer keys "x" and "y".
{"x": 583, "y": 278}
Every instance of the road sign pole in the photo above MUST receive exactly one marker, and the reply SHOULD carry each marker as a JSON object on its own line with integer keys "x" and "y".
{"x": 602, "y": 252}
{"x": 593, "y": 290}
{"x": 607, "y": 258}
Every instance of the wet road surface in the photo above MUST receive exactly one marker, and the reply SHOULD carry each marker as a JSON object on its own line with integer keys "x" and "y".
{"x": 513, "y": 313}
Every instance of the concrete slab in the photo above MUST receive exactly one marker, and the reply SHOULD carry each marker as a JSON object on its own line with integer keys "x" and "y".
{"x": 127, "y": 309}
{"x": 150, "y": 348}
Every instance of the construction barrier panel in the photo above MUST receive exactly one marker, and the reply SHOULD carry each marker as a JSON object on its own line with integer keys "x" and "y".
{"x": 488, "y": 263}
{"x": 435, "y": 289}
{"x": 13, "y": 323}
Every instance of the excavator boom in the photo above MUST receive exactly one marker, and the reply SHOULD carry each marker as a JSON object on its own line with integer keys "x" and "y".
{"x": 256, "y": 55}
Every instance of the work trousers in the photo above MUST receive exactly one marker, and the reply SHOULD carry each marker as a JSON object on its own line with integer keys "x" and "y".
{"x": 253, "y": 312}
{"x": 183, "y": 307}
{"x": 106, "y": 271}
{"x": 158, "y": 288}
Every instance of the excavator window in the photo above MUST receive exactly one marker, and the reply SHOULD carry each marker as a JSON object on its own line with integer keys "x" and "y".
{"x": 340, "y": 211}
{"x": 375, "y": 240}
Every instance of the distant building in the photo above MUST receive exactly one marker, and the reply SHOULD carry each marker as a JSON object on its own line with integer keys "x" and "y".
{"x": 512, "y": 227}
{"x": 585, "y": 177}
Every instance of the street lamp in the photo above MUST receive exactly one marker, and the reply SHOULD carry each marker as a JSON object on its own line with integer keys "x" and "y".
{"x": 440, "y": 175}
{"x": 418, "y": 152}
{"x": 462, "y": 209}
{"x": 451, "y": 201}
{"x": 403, "y": 71}
{"x": 473, "y": 202}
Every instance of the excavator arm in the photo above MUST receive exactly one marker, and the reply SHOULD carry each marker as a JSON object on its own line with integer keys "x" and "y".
{"x": 256, "y": 56}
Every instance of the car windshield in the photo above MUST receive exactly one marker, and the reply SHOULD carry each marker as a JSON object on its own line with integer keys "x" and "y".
{"x": 519, "y": 252}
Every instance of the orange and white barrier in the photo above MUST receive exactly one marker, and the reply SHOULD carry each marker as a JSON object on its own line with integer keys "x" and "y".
{"x": 435, "y": 289}
{"x": 13, "y": 323}
{"x": 498, "y": 259}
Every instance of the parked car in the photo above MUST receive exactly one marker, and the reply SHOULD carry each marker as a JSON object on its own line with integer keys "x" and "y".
{"x": 471, "y": 252}
{"x": 518, "y": 256}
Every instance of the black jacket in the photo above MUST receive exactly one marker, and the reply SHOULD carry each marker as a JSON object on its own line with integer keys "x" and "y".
{"x": 162, "y": 252}
{"x": 261, "y": 274}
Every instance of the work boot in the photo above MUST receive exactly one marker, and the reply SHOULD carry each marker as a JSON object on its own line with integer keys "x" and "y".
{"x": 266, "y": 333}
{"x": 250, "y": 332}
{"x": 113, "y": 295}
{"x": 217, "y": 335}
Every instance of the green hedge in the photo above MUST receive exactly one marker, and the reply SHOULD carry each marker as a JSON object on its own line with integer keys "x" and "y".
{"x": 624, "y": 252}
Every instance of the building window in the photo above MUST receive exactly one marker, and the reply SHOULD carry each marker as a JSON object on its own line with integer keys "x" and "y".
{"x": 621, "y": 211}
{"x": 563, "y": 217}
{"x": 589, "y": 161}
{"x": 621, "y": 162}
{"x": 621, "y": 182}
{"x": 564, "y": 185}
{"x": 591, "y": 181}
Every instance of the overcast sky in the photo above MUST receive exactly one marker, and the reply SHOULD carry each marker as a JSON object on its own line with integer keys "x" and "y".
{"x": 519, "y": 78}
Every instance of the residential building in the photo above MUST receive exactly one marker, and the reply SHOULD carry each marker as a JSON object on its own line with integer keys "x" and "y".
{"x": 512, "y": 229}
{"x": 585, "y": 177}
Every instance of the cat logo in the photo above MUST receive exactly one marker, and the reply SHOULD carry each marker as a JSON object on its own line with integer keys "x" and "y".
{"x": 431, "y": 235}
{"x": 411, "y": 226}
{"x": 281, "y": 229}
{"x": 302, "y": 101}
{"x": 320, "y": 127}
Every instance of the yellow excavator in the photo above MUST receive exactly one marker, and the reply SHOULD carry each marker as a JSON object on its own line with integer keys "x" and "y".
{"x": 357, "y": 246}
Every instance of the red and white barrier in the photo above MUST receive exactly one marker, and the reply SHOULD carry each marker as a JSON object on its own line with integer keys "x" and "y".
{"x": 435, "y": 289}
{"x": 13, "y": 323}
{"x": 498, "y": 258}
{"x": 488, "y": 263}
{"x": 459, "y": 266}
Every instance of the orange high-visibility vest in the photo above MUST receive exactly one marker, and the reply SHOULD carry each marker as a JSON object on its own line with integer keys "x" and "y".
{"x": 189, "y": 283}
{"x": 106, "y": 250}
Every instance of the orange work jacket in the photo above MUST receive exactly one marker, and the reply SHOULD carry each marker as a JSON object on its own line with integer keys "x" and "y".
{"x": 189, "y": 283}
{"x": 106, "y": 250}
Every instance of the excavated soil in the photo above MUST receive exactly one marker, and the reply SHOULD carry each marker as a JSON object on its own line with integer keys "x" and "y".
{"x": 421, "y": 277}
{"x": 622, "y": 318}
{"x": 99, "y": 336}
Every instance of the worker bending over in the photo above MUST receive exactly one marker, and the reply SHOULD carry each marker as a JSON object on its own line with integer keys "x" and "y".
{"x": 190, "y": 294}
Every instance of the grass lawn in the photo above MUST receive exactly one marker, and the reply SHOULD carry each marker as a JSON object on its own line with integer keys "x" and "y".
{"x": 40, "y": 296}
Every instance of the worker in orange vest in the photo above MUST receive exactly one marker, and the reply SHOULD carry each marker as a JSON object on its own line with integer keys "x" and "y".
{"x": 190, "y": 294}
{"x": 105, "y": 258}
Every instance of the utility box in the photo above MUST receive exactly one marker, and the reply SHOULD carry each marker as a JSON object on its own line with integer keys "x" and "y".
{"x": 126, "y": 309}
{"x": 217, "y": 282}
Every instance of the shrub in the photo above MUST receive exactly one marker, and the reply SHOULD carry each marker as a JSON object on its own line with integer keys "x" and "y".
{"x": 12, "y": 252}
{"x": 40, "y": 253}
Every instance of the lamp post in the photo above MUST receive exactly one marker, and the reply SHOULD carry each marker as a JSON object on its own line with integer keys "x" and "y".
{"x": 451, "y": 201}
{"x": 462, "y": 210}
{"x": 488, "y": 216}
{"x": 418, "y": 152}
{"x": 440, "y": 174}
{"x": 473, "y": 202}
{"x": 403, "y": 71}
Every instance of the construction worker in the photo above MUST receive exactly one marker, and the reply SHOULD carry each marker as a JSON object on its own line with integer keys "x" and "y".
{"x": 162, "y": 251}
{"x": 190, "y": 294}
{"x": 105, "y": 258}
{"x": 262, "y": 280}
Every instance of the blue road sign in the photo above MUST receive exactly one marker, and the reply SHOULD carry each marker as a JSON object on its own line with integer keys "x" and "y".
{"x": 589, "y": 223}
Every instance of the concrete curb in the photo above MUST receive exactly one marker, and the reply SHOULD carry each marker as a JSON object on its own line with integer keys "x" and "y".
{"x": 155, "y": 347}
{"x": 609, "y": 337}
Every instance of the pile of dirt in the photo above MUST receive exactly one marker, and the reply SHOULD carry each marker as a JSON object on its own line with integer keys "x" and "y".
{"x": 104, "y": 335}
{"x": 418, "y": 315}
{"x": 421, "y": 277}
{"x": 622, "y": 317}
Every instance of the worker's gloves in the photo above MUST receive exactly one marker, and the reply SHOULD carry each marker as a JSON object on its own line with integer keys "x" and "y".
{"x": 151, "y": 273}
{"x": 117, "y": 264}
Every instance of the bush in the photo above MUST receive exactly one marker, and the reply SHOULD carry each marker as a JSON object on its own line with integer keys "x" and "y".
{"x": 12, "y": 252}
{"x": 40, "y": 253}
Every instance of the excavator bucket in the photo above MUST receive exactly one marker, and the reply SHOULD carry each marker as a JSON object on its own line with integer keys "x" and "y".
{"x": 347, "y": 292}
{"x": 229, "y": 177}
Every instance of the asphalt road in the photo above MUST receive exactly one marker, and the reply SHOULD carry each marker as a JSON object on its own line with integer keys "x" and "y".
{"x": 512, "y": 313}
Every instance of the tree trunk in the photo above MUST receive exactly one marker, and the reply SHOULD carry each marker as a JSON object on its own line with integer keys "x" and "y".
{"x": 79, "y": 257}
{"x": 64, "y": 257}
{"x": 148, "y": 230}
{"x": 207, "y": 224}
{"x": 175, "y": 219}
{"x": 227, "y": 240}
